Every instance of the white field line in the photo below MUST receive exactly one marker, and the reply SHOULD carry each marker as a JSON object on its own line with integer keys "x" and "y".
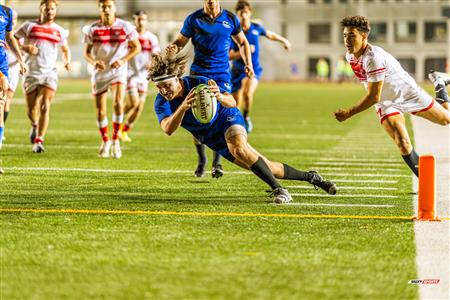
{"x": 365, "y": 181}
{"x": 173, "y": 171}
{"x": 363, "y": 169}
{"x": 111, "y": 170}
{"x": 364, "y": 175}
{"x": 346, "y": 196}
{"x": 181, "y": 149}
{"x": 376, "y": 188}
{"x": 359, "y": 164}
{"x": 342, "y": 159}
{"x": 338, "y": 205}
{"x": 61, "y": 97}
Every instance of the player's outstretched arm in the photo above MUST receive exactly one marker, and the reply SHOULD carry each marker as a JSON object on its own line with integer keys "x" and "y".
{"x": 278, "y": 38}
{"x": 372, "y": 97}
{"x": 170, "y": 124}
{"x": 177, "y": 45}
{"x": 245, "y": 51}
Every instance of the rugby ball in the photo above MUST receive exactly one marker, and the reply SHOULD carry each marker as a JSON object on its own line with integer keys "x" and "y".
{"x": 204, "y": 107}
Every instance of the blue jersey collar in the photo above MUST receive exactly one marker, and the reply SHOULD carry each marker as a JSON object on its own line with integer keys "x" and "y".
{"x": 208, "y": 19}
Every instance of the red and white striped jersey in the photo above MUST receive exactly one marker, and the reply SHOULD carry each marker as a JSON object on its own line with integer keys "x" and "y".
{"x": 47, "y": 38}
{"x": 378, "y": 65}
{"x": 150, "y": 45}
{"x": 110, "y": 43}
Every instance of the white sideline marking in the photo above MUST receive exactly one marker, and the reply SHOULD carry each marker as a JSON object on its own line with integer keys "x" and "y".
{"x": 338, "y": 204}
{"x": 345, "y": 195}
{"x": 61, "y": 97}
{"x": 370, "y": 164}
{"x": 306, "y": 187}
{"x": 365, "y": 181}
{"x": 341, "y": 159}
{"x": 365, "y": 175}
{"x": 363, "y": 169}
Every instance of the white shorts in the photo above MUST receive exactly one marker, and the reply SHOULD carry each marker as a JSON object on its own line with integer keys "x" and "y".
{"x": 32, "y": 82}
{"x": 14, "y": 74}
{"x": 101, "y": 83}
{"x": 418, "y": 101}
{"x": 137, "y": 85}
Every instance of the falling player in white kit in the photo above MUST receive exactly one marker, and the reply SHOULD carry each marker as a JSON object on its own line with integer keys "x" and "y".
{"x": 137, "y": 74}
{"x": 390, "y": 89}
{"x": 110, "y": 44}
{"x": 41, "y": 39}
{"x": 14, "y": 74}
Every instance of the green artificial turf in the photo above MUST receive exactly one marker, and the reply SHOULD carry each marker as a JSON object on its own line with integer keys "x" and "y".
{"x": 66, "y": 255}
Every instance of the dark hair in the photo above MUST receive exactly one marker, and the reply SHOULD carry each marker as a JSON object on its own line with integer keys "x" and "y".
{"x": 167, "y": 65}
{"x": 101, "y": 1}
{"x": 139, "y": 13}
{"x": 361, "y": 23}
{"x": 242, "y": 4}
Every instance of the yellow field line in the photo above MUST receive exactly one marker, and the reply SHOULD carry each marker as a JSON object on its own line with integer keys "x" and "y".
{"x": 199, "y": 214}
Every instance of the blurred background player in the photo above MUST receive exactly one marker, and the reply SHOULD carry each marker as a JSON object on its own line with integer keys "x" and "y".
{"x": 110, "y": 44}
{"x": 137, "y": 74}
{"x": 322, "y": 70}
{"x": 226, "y": 133}
{"x": 243, "y": 87}
{"x": 41, "y": 39}
{"x": 390, "y": 89}
{"x": 211, "y": 30}
{"x": 14, "y": 74}
{"x": 6, "y": 40}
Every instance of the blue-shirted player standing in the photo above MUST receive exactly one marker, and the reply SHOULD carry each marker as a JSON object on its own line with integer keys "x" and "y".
{"x": 6, "y": 38}
{"x": 243, "y": 87}
{"x": 212, "y": 30}
{"x": 225, "y": 134}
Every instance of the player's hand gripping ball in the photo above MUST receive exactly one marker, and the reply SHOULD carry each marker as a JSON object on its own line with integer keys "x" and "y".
{"x": 204, "y": 107}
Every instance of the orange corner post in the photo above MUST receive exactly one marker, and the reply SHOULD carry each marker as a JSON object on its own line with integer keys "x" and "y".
{"x": 427, "y": 189}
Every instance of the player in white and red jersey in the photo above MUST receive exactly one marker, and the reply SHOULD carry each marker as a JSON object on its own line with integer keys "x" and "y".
{"x": 390, "y": 89}
{"x": 110, "y": 44}
{"x": 14, "y": 74}
{"x": 41, "y": 39}
{"x": 137, "y": 74}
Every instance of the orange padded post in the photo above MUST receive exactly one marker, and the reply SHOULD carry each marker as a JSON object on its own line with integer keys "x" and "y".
{"x": 427, "y": 188}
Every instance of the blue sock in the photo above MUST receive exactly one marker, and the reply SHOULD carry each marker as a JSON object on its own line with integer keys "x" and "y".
{"x": 1, "y": 135}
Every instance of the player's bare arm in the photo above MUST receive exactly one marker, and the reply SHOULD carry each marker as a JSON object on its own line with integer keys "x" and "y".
{"x": 97, "y": 64}
{"x": 66, "y": 56}
{"x": 134, "y": 48}
{"x": 245, "y": 51}
{"x": 278, "y": 38}
{"x": 177, "y": 45}
{"x": 170, "y": 124}
{"x": 15, "y": 47}
{"x": 226, "y": 99}
{"x": 234, "y": 54}
{"x": 372, "y": 97}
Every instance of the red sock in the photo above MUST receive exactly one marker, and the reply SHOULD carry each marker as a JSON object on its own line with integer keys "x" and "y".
{"x": 126, "y": 128}
{"x": 39, "y": 139}
{"x": 104, "y": 133}
{"x": 116, "y": 128}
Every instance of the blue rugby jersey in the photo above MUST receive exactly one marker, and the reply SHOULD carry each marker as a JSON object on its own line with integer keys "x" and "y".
{"x": 252, "y": 35}
{"x": 212, "y": 41}
{"x": 5, "y": 26}
{"x": 164, "y": 108}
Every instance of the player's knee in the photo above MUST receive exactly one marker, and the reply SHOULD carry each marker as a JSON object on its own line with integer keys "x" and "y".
{"x": 240, "y": 153}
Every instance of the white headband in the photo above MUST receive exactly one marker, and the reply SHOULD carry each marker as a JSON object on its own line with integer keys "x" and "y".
{"x": 163, "y": 78}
